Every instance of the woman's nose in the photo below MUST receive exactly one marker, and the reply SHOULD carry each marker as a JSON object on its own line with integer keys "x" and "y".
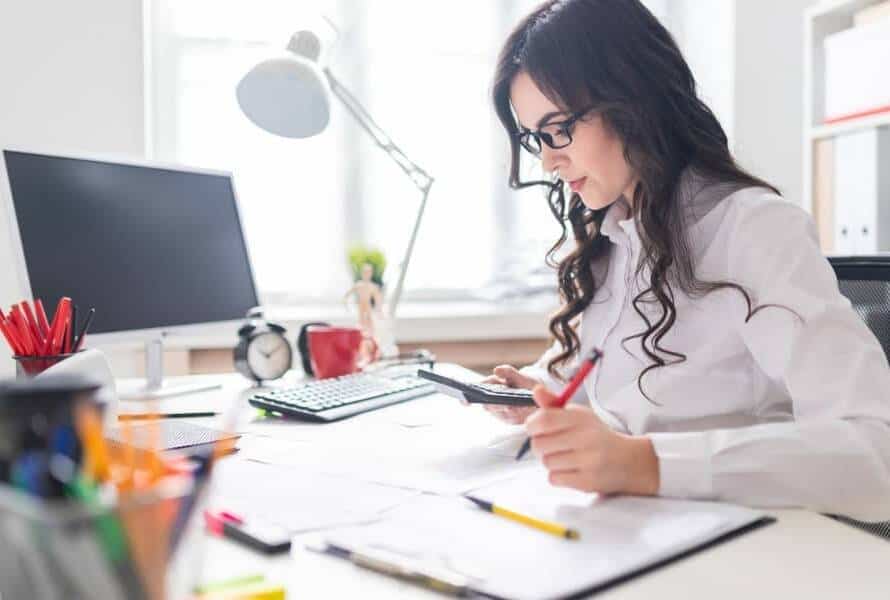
{"x": 551, "y": 159}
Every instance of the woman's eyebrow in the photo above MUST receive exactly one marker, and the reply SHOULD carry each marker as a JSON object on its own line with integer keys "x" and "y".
{"x": 543, "y": 120}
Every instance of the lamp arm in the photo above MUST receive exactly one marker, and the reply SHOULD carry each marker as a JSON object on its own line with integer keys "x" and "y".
{"x": 421, "y": 178}
{"x": 397, "y": 292}
{"x": 418, "y": 176}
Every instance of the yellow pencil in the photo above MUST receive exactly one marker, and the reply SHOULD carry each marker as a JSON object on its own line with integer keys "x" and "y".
{"x": 547, "y": 526}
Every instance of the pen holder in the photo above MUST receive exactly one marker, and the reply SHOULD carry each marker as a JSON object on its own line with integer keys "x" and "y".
{"x": 64, "y": 550}
{"x": 29, "y": 366}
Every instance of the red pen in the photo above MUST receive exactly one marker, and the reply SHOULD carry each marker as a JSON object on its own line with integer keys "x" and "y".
{"x": 11, "y": 338}
{"x": 568, "y": 392}
{"x": 57, "y": 329}
{"x": 32, "y": 325}
{"x": 59, "y": 343}
{"x": 42, "y": 321}
{"x": 18, "y": 321}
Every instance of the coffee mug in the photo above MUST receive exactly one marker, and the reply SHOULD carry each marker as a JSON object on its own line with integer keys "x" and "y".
{"x": 336, "y": 351}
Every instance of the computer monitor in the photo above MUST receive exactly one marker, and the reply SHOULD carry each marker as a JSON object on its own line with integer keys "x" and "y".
{"x": 157, "y": 250}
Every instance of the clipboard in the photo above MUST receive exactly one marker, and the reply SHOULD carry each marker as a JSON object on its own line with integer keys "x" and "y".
{"x": 621, "y": 538}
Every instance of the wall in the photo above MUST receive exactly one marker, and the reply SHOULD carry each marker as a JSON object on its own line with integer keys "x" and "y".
{"x": 705, "y": 32}
{"x": 768, "y": 117}
{"x": 72, "y": 80}
{"x": 747, "y": 56}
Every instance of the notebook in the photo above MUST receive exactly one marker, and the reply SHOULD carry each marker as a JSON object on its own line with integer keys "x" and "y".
{"x": 619, "y": 537}
{"x": 175, "y": 435}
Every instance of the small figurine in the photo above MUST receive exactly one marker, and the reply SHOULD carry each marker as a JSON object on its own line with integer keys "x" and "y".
{"x": 369, "y": 299}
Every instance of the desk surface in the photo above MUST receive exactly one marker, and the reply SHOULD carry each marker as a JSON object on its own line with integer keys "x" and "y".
{"x": 802, "y": 555}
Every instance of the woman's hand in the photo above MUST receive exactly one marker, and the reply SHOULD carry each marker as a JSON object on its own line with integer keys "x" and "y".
{"x": 581, "y": 452}
{"x": 508, "y": 375}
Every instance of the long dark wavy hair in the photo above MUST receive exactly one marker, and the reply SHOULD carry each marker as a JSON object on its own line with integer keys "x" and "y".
{"x": 614, "y": 55}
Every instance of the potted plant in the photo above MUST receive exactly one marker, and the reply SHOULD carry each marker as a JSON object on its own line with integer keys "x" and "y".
{"x": 360, "y": 255}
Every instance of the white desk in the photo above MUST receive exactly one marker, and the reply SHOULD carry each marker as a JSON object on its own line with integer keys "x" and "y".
{"x": 803, "y": 555}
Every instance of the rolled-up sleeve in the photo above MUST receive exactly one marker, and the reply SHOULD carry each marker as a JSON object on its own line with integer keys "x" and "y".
{"x": 834, "y": 456}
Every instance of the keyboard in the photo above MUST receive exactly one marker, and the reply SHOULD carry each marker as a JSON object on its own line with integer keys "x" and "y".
{"x": 340, "y": 397}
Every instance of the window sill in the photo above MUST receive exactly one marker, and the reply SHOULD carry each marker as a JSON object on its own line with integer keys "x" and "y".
{"x": 417, "y": 322}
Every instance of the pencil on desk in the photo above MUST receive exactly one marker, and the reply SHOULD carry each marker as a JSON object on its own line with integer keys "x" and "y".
{"x": 546, "y": 526}
{"x": 176, "y": 415}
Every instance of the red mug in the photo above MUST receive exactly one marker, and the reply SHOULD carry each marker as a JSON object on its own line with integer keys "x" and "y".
{"x": 335, "y": 351}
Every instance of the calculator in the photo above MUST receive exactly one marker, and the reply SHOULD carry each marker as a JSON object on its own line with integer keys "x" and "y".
{"x": 478, "y": 393}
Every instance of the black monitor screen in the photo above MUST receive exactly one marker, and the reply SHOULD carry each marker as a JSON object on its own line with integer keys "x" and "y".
{"x": 147, "y": 247}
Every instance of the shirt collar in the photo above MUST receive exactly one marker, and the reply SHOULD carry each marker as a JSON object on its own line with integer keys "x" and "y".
{"x": 697, "y": 195}
{"x": 618, "y": 220}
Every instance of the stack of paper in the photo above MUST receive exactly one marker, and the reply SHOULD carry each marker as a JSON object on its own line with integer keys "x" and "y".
{"x": 298, "y": 502}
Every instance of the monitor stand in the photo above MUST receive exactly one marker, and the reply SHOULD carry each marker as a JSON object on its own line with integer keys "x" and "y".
{"x": 154, "y": 387}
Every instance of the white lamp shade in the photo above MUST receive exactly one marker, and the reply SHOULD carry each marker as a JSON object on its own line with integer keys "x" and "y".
{"x": 286, "y": 96}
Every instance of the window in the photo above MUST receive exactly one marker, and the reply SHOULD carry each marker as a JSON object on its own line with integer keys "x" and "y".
{"x": 423, "y": 70}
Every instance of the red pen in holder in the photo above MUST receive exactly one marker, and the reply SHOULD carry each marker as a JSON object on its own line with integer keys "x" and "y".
{"x": 29, "y": 366}
{"x": 38, "y": 343}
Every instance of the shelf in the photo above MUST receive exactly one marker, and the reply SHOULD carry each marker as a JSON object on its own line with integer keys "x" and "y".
{"x": 835, "y": 129}
{"x": 835, "y": 8}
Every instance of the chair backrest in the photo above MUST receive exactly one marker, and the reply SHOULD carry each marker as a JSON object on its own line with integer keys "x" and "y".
{"x": 865, "y": 280}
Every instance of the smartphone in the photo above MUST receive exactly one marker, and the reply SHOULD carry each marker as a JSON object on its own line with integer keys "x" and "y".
{"x": 478, "y": 393}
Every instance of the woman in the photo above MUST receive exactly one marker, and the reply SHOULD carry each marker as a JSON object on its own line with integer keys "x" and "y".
{"x": 732, "y": 367}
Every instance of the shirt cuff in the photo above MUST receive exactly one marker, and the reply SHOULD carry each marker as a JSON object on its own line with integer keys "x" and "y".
{"x": 684, "y": 465}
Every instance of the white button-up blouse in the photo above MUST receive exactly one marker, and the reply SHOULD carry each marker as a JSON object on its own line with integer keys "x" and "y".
{"x": 781, "y": 410}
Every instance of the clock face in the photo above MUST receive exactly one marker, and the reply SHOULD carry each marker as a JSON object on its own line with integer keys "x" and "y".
{"x": 269, "y": 356}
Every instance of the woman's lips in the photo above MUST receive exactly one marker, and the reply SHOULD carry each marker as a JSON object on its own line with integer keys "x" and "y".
{"x": 577, "y": 184}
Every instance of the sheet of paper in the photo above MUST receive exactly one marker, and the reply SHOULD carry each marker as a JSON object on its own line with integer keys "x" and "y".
{"x": 453, "y": 455}
{"x": 619, "y": 535}
{"x": 299, "y": 501}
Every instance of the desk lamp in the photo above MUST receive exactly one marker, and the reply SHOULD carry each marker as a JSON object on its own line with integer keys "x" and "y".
{"x": 289, "y": 96}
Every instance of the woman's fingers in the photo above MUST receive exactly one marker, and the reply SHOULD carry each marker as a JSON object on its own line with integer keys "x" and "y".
{"x": 544, "y": 397}
{"x": 567, "y": 440}
{"x": 514, "y": 378}
{"x": 511, "y": 414}
{"x": 561, "y": 461}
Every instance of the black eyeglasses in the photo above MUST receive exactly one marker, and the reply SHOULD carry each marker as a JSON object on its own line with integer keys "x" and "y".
{"x": 555, "y": 135}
